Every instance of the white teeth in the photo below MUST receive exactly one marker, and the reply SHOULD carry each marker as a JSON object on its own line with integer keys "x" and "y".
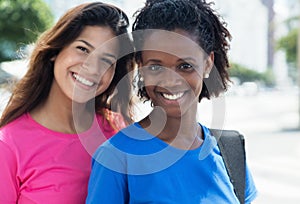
{"x": 173, "y": 96}
{"x": 83, "y": 80}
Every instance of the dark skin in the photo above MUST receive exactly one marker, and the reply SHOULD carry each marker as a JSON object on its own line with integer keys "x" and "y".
{"x": 174, "y": 83}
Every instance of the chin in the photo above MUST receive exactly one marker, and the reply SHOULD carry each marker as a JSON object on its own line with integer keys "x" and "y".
{"x": 80, "y": 100}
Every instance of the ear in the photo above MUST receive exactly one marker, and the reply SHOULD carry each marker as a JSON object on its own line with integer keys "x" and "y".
{"x": 209, "y": 64}
{"x": 139, "y": 67}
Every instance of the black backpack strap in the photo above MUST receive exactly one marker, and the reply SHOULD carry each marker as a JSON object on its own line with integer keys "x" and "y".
{"x": 232, "y": 147}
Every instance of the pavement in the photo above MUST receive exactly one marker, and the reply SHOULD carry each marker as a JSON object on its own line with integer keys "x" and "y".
{"x": 269, "y": 122}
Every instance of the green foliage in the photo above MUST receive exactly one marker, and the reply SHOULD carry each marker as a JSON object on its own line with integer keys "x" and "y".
{"x": 245, "y": 74}
{"x": 288, "y": 44}
{"x": 21, "y": 21}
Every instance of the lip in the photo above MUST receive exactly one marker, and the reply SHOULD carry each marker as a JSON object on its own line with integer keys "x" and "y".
{"x": 82, "y": 85}
{"x": 172, "y": 101}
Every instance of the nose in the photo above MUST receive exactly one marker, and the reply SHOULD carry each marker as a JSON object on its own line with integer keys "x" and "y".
{"x": 93, "y": 66}
{"x": 170, "y": 78}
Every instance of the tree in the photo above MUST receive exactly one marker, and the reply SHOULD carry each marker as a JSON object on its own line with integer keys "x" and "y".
{"x": 288, "y": 43}
{"x": 245, "y": 74}
{"x": 21, "y": 21}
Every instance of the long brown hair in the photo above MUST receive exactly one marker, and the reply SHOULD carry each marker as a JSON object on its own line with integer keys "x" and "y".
{"x": 34, "y": 87}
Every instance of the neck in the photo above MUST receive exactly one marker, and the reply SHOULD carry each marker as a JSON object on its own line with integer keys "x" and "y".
{"x": 58, "y": 113}
{"x": 183, "y": 132}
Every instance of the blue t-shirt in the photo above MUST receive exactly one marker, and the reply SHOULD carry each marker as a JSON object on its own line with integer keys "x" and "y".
{"x": 135, "y": 167}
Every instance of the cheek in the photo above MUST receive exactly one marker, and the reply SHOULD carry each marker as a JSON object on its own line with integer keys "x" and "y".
{"x": 105, "y": 80}
{"x": 149, "y": 89}
{"x": 108, "y": 75}
{"x": 199, "y": 85}
{"x": 150, "y": 84}
{"x": 59, "y": 73}
{"x": 152, "y": 80}
{"x": 195, "y": 83}
{"x": 62, "y": 63}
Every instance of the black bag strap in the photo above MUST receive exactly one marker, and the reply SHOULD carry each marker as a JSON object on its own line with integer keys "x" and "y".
{"x": 232, "y": 148}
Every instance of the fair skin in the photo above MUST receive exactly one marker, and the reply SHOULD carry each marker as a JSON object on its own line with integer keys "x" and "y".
{"x": 173, "y": 81}
{"x": 82, "y": 70}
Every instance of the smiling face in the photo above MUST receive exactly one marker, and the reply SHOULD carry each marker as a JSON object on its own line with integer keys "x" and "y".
{"x": 173, "y": 72}
{"x": 84, "y": 69}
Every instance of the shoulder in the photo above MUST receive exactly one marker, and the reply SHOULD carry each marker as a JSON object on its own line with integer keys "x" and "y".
{"x": 126, "y": 135}
{"x": 112, "y": 153}
{"x": 18, "y": 126}
{"x": 111, "y": 120}
{"x": 109, "y": 125}
{"x": 14, "y": 136}
{"x": 127, "y": 150}
{"x": 133, "y": 139}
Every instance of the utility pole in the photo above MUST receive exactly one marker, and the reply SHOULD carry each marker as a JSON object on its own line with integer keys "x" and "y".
{"x": 269, "y": 4}
{"x": 298, "y": 68}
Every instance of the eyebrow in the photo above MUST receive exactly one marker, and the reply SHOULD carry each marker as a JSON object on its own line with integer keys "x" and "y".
{"x": 91, "y": 46}
{"x": 153, "y": 61}
{"x": 87, "y": 43}
{"x": 179, "y": 60}
{"x": 187, "y": 59}
{"x": 110, "y": 55}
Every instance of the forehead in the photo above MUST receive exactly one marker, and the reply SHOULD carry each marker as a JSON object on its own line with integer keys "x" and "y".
{"x": 178, "y": 43}
{"x": 100, "y": 37}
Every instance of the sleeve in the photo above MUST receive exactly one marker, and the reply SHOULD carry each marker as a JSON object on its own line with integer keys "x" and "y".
{"x": 8, "y": 175}
{"x": 250, "y": 190}
{"x": 106, "y": 183}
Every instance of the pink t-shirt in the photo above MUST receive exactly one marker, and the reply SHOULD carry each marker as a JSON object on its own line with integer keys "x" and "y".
{"x": 42, "y": 166}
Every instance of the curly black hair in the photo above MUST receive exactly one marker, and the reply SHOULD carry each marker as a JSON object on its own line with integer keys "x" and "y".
{"x": 198, "y": 19}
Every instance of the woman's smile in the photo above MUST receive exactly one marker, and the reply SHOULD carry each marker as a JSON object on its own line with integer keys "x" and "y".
{"x": 83, "y": 80}
{"x": 172, "y": 97}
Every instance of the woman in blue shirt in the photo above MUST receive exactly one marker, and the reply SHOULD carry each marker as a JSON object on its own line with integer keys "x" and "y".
{"x": 168, "y": 157}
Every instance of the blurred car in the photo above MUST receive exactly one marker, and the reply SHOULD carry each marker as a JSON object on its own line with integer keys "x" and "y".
{"x": 248, "y": 88}
{"x": 5, "y": 77}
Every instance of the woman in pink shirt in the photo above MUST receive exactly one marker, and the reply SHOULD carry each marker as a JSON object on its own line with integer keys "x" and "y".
{"x": 65, "y": 106}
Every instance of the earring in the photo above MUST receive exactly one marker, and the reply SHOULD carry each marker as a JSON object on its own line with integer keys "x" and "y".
{"x": 141, "y": 79}
{"x": 206, "y": 75}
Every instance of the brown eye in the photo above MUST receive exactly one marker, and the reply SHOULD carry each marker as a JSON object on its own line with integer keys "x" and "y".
{"x": 107, "y": 61}
{"x": 186, "y": 66}
{"x": 83, "y": 49}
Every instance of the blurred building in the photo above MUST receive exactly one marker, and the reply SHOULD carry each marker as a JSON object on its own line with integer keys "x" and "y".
{"x": 247, "y": 22}
{"x": 59, "y": 7}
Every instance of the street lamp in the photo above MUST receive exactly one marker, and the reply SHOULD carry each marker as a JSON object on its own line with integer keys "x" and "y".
{"x": 270, "y": 49}
{"x": 298, "y": 66}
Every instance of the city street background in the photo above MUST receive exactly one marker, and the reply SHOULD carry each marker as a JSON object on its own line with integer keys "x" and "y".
{"x": 268, "y": 121}
{"x": 268, "y": 118}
